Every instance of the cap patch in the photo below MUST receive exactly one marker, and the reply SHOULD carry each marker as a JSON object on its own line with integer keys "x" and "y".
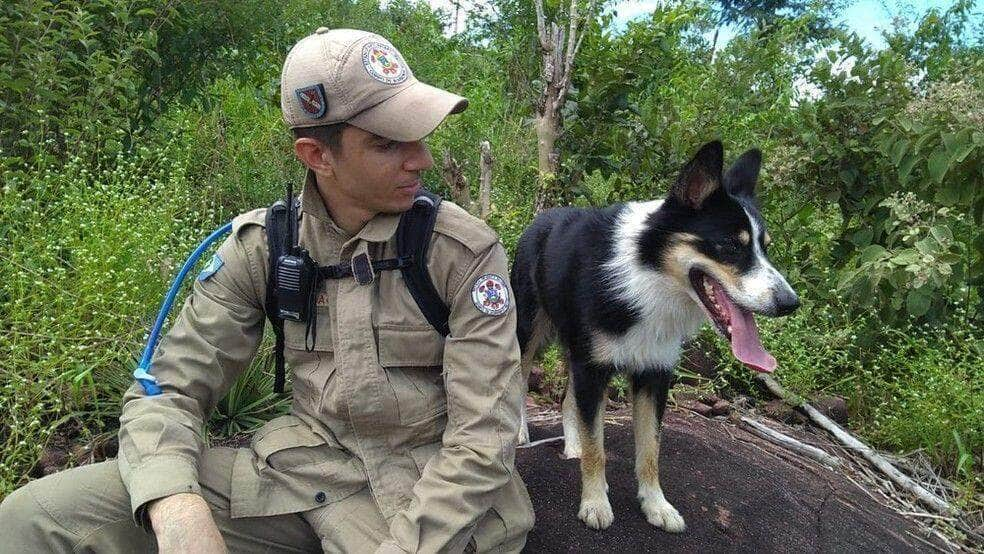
{"x": 383, "y": 63}
{"x": 214, "y": 265}
{"x": 490, "y": 294}
{"x": 312, "y": 100}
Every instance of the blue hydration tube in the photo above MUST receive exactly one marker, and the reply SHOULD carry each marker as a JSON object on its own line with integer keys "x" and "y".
{"x": 142, "y": 373}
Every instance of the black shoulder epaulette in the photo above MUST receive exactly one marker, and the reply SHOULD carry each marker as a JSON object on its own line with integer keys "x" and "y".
{"x": 413, "y": 235}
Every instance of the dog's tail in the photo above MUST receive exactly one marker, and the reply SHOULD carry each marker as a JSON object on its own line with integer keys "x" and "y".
{"x": 534, "y": 329}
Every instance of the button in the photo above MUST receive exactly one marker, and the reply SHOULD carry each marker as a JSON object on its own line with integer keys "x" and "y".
{"x": 320, "y": 497}
{"x": 321, "y": 30}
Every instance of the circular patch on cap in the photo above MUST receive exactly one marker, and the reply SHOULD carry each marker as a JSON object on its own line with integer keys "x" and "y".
{"x": 490, "y": 294}
{"x": 383, "y": 63}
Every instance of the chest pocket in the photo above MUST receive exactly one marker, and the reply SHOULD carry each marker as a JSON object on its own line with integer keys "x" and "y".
{"x": 413, "y": 359}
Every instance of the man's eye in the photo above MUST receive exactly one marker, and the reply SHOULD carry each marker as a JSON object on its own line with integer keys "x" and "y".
{"x": 388, "y": 145}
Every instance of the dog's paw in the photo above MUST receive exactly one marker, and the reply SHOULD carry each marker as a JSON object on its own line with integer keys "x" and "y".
{"x": 662, "y": 514}
{"x": 596, "y": 513}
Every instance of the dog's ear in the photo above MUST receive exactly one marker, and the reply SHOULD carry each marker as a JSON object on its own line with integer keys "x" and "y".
{"x": 743, "y": 174}
{"x": 701, "y": 176}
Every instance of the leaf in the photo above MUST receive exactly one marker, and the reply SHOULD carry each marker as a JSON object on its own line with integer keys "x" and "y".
{"x": 863, "y": 237}
{"x": 942, "y": 234}
{"x": 906, "y": 257}
{"x": 927, "y": 246}
{"x": 938, "y": 164}
{"x": 899, "y": 150}
{"x": 917, "y": 303}
{"x": 905, "y": 168}
{"x": 873, "y": 253}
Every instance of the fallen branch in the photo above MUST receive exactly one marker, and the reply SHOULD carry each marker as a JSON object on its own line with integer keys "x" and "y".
{"x": 790, "y": 443}
{"x": 928, "y": 498}
{"x": 541, "y": 441}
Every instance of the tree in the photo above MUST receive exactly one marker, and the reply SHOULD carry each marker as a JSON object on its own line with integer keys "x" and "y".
{"x": 558, "y": 48}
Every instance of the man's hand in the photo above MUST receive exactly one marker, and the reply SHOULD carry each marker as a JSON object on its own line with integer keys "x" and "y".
{"x": 183, "y": 523}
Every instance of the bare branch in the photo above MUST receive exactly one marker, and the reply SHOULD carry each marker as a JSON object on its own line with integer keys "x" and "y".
{"x": 541, "y": 26}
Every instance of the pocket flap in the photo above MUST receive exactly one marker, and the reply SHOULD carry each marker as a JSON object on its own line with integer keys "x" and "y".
{"x": 410, "y": 347}
{"x": 282, "y": 433}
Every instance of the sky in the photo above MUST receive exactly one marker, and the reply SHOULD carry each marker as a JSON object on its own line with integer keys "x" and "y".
{"x": 865, "y": 17}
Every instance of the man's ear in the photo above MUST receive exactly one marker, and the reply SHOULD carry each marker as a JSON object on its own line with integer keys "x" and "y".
{"x": 743, "y": 174}
{"x": 314, "y": 154}
{"x": 701, "y": 176}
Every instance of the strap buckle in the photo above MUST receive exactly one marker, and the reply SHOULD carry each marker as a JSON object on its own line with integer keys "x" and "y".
{"x": 362, "y": 269}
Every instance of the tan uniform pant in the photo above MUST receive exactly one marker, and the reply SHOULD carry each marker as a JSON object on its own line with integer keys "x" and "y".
{"x": 87, "y": 509}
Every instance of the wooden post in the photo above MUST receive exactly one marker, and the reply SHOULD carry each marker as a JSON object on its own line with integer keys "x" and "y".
{"x": 456, "y": 181}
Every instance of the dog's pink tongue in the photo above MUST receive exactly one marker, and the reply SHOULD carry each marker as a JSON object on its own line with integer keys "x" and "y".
{"x": 745, "y": 343}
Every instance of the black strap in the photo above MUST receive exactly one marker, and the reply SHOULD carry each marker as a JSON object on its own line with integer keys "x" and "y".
{"x": 278, "y": 233}
{"x": 413, "y": 237}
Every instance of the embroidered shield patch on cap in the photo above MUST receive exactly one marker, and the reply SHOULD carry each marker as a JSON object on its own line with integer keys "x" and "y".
{"x": 213, "y": 266}
{"x": 383, "y": 63}
{"x": 490, "y": 294}
{"x": 312, "y": 100}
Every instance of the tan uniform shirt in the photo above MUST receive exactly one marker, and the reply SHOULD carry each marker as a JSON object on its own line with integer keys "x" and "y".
{"x": 383, "y": 399}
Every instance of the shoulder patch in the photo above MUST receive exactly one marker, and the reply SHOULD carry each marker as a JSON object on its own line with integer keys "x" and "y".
{"x": 491, "y": 294}
{"x": 214, "y": 265}
{"x": 454, "y": 222}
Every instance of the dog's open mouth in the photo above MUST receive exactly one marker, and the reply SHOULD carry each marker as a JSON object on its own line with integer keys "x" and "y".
{"x": 734, "y": 322}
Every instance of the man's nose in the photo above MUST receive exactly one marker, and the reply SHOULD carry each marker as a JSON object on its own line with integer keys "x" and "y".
{"x": 419, "y": 157}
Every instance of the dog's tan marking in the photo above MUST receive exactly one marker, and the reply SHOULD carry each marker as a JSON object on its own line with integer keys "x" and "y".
{"x": 647, "y": 430}
{"x": 744, "y": 237}
{"x": 595, "y": 509}
{"x": 767, "y": 238}
{"x": 681, "y": 256}
{"x": 540, "y": 335}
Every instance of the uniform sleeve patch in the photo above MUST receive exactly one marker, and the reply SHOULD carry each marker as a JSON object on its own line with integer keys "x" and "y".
{"x": 491, "y": 294}
{"x": 213, "y": 266}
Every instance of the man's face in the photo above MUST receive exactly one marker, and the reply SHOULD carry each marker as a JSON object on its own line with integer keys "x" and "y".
{"x": 377, "y": 174}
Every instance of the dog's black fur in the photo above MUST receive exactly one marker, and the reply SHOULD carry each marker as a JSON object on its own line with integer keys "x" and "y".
{"x": 606, "y": 281}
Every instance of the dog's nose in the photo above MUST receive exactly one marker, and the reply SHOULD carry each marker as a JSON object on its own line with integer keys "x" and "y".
{"x": 786, "y": 302}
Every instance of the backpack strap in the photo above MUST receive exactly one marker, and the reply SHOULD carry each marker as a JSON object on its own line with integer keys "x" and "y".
{"x": 413, "y": 239}
{"x": 279, "y": 230}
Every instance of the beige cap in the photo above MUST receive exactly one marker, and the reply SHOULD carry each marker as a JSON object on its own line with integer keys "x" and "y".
{"x": 345, "y": 75}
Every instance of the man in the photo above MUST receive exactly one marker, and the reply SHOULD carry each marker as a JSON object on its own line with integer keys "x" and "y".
{"x": 399, "y": 440}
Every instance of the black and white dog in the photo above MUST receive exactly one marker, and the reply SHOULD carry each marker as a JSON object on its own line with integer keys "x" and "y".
{"x": 623, "y": 287}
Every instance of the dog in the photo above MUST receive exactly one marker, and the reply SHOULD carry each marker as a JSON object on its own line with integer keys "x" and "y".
{"x": 623, "y": 287}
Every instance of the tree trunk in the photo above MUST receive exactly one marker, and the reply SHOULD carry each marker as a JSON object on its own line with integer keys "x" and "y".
{"x": 547, "y": 131}
{"x": 485, "y": 181}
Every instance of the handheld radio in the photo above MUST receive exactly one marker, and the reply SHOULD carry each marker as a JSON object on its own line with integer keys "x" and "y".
{"x": 295, "y": 272}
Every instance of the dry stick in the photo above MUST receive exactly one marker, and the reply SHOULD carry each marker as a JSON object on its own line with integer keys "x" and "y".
{"x": 485, "y": 181}
{"x": 786, "y": 441}
{"x": 541, "y": 441}
{"x": 928, "y": 498}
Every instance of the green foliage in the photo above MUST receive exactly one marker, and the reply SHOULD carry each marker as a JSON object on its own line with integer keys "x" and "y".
{"x": 130, "y": 129}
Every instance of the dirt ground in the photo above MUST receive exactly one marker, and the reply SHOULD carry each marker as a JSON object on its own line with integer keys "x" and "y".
{"x": 736, "y": 492}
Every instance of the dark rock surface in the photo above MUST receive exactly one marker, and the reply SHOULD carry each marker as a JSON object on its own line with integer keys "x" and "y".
{"x": 736, "y": 492}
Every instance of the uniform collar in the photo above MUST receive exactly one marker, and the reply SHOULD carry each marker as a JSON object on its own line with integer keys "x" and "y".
{"x": 379, "y": 229}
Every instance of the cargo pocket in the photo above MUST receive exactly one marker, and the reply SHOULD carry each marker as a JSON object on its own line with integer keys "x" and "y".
{"x": 291, "y": 468}
{"x": 413, "y": 358}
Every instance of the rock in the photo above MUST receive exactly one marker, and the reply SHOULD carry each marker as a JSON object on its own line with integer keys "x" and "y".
{"x": 833, "y": 407}
{"x": 52, "y": 459}
{"x": 699, "y": 407}
{"x": 780, "y": 411}
{"x": 682, "y": 397}
{"x": 709, "y": 399}
{"x": 721, "y": 407}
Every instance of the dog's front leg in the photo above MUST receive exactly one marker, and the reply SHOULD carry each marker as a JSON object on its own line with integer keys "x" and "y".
{"x": 590, "y": 394}
{"x": 649, "y": 392}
